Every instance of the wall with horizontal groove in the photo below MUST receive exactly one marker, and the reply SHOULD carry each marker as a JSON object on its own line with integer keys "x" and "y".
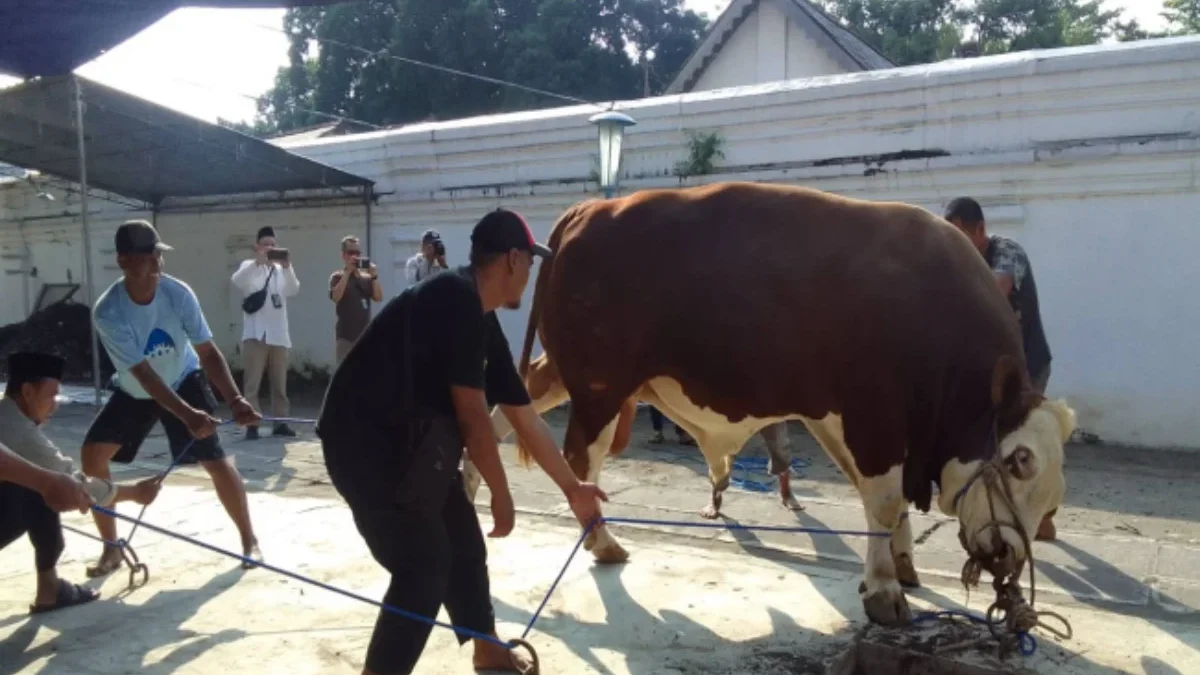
{"x": 1088, "y": 156}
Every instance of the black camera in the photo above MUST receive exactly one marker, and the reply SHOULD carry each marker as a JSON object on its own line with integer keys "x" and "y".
{"x": 438, "y": 247}
{"x": 364, "y": 263}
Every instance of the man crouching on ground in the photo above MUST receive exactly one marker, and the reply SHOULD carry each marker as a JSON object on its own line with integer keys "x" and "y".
{"x": 414, "y": 390}
{"x": 30, "y": 399}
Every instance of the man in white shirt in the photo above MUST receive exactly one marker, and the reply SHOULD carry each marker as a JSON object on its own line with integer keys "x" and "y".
{"x": 430, "y": 260}
{"x": 266, "y": 281}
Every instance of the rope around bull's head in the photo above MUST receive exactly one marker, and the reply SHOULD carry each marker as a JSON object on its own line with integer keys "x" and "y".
{"x": 1009, "y": 609}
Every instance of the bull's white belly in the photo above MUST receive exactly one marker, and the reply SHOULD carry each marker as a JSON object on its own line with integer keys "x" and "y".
{"x": 720, "y": 439}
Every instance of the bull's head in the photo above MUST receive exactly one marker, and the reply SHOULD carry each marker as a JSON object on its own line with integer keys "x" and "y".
{"x": 1000, "y": 500}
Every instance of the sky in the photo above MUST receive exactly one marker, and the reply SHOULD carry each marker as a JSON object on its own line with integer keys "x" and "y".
{"x": 175, "y": 62}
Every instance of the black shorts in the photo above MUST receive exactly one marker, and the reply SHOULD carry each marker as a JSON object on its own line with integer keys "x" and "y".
{"x": 127, "y": 421}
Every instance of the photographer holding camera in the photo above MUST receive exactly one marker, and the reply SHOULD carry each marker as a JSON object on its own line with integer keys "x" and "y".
{"x": 430, "y": 261}
{"x": 266, "y": 280}
{"x": 352, "y": 289}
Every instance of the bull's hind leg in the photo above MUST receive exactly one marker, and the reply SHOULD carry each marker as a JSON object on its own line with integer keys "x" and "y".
{"x": 720, "y": 469}
{"x": 604, "y": 546}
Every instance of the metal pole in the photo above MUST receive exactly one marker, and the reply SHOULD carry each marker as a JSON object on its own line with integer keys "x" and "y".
{"x": 88, "y": 276}
{"x": 367, "y": 201}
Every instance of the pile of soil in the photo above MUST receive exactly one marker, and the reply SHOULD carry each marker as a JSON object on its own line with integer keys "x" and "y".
{"x": 64, "y": 329}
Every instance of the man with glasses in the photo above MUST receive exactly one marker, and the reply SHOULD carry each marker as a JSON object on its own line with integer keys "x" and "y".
{"x": 352, "y": 289}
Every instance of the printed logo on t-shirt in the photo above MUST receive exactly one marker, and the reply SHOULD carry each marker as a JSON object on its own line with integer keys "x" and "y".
{"x": 159, "y": 346}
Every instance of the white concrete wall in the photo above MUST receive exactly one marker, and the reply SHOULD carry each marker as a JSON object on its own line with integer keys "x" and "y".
{"x": 1088, "y": 156}
{"x": 766, "y": 47}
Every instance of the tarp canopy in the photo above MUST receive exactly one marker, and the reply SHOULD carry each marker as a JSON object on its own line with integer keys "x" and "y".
{"x": 40, "y": 38}
{"x": 144, "y": 150}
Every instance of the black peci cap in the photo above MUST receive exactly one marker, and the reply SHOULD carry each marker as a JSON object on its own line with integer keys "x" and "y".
{"x": 502, "y": 230}
{"x": 138, "y": 236}
{"x": 34, "y": 366}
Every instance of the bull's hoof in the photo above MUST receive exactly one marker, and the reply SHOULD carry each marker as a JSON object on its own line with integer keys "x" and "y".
{"x": 613, "y": 554}
{"x": 906, "y": 573}
{"x": 887, "y": 606}
{"x": 589, "y": 542}
{"x": 710, "y": 512}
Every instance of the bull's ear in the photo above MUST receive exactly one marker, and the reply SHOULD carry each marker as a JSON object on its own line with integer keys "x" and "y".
{"x": 1008, "y": 383}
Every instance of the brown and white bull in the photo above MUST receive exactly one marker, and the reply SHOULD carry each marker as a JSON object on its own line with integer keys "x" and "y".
{"x": 547, "y": 392}
{"x": 880, "y": 325}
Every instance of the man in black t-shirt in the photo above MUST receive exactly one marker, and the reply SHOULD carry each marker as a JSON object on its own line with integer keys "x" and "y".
{"x": 413, "y": 391}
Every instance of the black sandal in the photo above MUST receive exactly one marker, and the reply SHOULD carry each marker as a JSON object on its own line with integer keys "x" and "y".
{"x": 69, "y": 595}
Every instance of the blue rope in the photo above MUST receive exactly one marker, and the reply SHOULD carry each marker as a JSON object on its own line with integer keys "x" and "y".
{"x": 299, "y": 577}
{"x": 1026, "y": 643}
{"x": 89, "y": 535}
{"x": 187, "y": 448}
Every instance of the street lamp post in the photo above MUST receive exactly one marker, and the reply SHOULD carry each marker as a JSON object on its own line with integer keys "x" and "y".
{"x": 611, "y": 126}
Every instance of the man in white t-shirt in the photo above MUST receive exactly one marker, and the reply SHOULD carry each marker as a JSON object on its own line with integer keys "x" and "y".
{"x": 156, "y": 335}
{"x": 267, "y": 280}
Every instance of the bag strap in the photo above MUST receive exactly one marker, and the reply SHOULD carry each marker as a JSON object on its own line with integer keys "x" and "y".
{"x": 269, "y": 275}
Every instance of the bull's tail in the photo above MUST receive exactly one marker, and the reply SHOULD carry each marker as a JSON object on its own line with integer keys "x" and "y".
{"x": 535, "y": 310}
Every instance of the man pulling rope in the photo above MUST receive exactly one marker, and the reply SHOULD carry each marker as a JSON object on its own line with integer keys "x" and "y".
{"x": 410, "y": 394}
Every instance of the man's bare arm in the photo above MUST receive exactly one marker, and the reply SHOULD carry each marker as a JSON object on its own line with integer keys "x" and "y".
{"x": 217, "y": 369}
{"x": 533, "y": 431}
{"x": 339, "y": 289}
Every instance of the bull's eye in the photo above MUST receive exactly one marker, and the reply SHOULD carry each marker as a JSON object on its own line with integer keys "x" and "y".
{"x": 1021, "y": 463}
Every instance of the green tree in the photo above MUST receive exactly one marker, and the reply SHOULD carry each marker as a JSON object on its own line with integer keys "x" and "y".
{"x": 923, "y": 31}
{"x": 1182, "y": 15}
{"x": 348, "y": 59}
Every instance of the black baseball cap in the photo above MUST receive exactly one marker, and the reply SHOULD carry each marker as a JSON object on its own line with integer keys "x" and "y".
{"x": 502, "y": 230}
{"x": 138, "y": 236}
{"x": 430, "y": 236}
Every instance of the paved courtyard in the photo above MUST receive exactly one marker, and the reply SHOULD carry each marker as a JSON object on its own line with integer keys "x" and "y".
{"x": 1126, "y": 572}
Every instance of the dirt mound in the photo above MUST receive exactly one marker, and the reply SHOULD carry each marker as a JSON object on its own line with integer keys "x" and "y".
{"x": 64, "y": 329}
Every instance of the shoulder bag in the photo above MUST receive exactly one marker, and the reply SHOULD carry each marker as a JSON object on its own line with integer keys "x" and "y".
{"x": 254, "y": 302}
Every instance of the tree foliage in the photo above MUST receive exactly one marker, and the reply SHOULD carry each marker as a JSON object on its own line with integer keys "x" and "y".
{"x": 923, "y": 31}
{"x": 341, "y": 57}
{"x": 349, "y": 59}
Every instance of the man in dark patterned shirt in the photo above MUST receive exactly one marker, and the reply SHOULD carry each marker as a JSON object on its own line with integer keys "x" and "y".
{"x": 1014, "y": 277}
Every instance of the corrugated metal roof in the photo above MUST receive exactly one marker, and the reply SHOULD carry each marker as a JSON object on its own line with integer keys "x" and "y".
{"x": 40, "y": 38}
{"x": 143, "y": 150}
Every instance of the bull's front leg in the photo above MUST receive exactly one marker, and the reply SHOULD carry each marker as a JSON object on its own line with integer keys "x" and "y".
{"x": 902, "y": 552}
{"x": 471, "y": 479}
{"x": 882, "y": 596}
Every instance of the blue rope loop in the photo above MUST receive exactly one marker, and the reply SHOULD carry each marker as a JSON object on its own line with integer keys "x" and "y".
{"x": 1026, "y": 643}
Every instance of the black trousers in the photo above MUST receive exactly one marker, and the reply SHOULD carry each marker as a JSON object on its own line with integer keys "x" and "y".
{"x": 23, "y": 511}
{"x": 421, "y": 528}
